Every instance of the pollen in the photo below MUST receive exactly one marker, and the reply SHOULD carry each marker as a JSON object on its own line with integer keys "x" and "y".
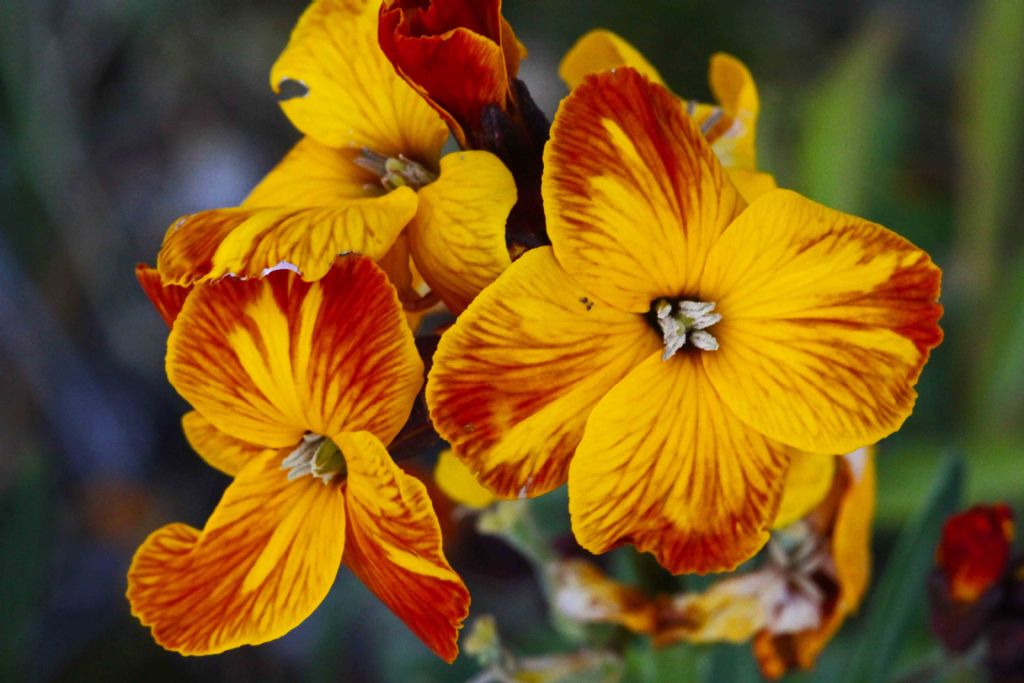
{"x": 395, "y": 172}
{"x": 316, "y": 456}
{"x": 685, "y": 322}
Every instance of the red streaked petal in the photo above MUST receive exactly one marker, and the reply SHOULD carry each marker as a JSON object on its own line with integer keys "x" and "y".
{"x": 220, "y": 451}
{"x": 167, "y": 299}
{"x": 246, "y": 242}
{"x": 634, "y": 196}
{"x": 827, "y": 321}
{"x": 264, "y": 561}
{"x": 267, "y": 360}
{"x": 394, "y": 545}
{"x": 666, "y": 466}
{"x": 515, "y": 378}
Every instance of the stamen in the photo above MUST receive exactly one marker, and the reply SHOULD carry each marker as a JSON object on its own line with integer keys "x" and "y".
{"x": 395, "y": 172}
{"x": 711, "y": 121}
{"x": 316, "y": 456}
{"x": 686, "y": 321}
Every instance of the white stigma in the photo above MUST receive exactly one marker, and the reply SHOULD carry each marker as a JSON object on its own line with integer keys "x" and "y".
{"x": 686, "y": 321}
{"x": 316, "y": 456}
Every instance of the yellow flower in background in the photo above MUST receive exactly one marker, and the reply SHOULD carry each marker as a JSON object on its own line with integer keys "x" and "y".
{"x": 730, "y": 126}
{"x": 674, "y": 347}
{"x": 366, "y": 178}
{"x": 297, "y": 388}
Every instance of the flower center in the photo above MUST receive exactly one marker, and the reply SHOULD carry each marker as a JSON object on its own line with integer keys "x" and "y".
{"x": 316, "y": 456}
{"x": 395, "y": 172}
{"x": 682, "y": 321}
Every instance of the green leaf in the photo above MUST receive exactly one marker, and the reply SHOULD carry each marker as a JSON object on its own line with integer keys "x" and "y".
{"x": 25, "y": 533}
{"x": 900, "y": 592}
{"x": 842, "y": 147}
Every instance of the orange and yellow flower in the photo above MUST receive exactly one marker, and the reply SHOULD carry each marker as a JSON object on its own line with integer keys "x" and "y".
{"x": 368, "y": 177}
{"x": 674, "y": 347}
{"x": 730, "y": 126}
{"x": 297, "y": 388}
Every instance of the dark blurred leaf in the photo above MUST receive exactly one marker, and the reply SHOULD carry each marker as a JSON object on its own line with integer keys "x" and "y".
{"x": 25, "y": 534}
{"x": 900, "y": 591}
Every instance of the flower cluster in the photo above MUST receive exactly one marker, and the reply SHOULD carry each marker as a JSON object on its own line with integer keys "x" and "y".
{"x": 636, "y": 311}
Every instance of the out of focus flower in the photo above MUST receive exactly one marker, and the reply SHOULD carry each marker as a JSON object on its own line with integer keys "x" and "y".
{"x": 366, "y": 178}
{"x": 975, "y": 550}
{"x": 972, "y": 585}
{"x": 814, "y": 575}
{"x": 297, "y": 388}
{"x": 730, "y": 126}
{"x": 674, "y": 347}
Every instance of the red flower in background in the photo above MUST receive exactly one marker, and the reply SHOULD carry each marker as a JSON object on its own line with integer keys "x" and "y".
{"x": 975, "y": 550}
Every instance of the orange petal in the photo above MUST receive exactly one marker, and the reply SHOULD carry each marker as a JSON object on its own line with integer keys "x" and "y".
{"x": 827, "y": 321}
{"x": 247, "y": 242}
{"x": 168, "y": 299}
{"x": 264, "y": 561}
{"x": 664, "y": 465}
{"x": 808, "y": 481}
{"x": 458, "y": 236}
{"x": 394, "y": 545}
{"x": 452, "y": 53}
{"x": 267, "y": 360}
{"x": 219, "y": 450}
{"x": 634, "y": 196}
{"x": 314, "y": 175}
{"x": 602, "y": 50}
{"x": 515, "y": 378}
{"x": 336, "y": 86}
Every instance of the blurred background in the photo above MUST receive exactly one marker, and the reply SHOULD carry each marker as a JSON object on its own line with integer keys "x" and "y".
{"x": 118, "y": 117}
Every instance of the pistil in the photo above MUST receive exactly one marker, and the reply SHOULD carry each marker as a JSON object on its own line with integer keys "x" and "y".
{"x": 395, "y": 172}
{"x": 316, "y": 456}
{"x": 683, "y": 322}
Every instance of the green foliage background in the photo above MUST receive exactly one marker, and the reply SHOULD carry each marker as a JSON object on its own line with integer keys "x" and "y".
{"x": 115, "y": 118}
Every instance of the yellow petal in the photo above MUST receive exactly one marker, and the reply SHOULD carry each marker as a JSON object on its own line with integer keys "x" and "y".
{"x": 807, "y": 483}
{"x": 264, "y": 561}
{"x": 458, "y": 483}
{"x": 394, "y": 545}
{"x": 314, "y": 175}
{"x": 734, "y": 88}
{"x": 353, "y": 97}
{"x": 751, "y": 184}
{"x": 827, "y": 321}
{"x": 602, "y": 50}
{"x": 220, "y": 451}
{"x": 634, "y": 196}
{"x": 267, "y": 360}
{"x": 515, "y": 378}
{"x": 247, "y": 242}
{"x": 458, "y": 236}
{"x": 664, "y": 465}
